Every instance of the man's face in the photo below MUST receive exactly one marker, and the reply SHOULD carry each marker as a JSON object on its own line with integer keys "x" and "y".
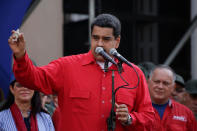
{"x": 178, "y": 93}
{"x": 193, "y": 102}
{"x": 103, "y": 37}
{"x": 161, "y": 85}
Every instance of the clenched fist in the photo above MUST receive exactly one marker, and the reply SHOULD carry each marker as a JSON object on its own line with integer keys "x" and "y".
{"x": 123, "y": 114}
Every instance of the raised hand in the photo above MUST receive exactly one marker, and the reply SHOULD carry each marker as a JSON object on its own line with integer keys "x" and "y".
{"x": 17, "y": 44}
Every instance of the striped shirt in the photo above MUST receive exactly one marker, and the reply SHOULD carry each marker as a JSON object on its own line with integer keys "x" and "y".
{"x": 7, "y": 122}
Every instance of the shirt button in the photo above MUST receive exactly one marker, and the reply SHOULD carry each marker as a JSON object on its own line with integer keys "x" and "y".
{"x": 103, "y": 75}
{"x": 102, "y": 116}
{"x": 103, "y": 88}
{"x": 102, "y": 130}
{"x": 103, "y": 101}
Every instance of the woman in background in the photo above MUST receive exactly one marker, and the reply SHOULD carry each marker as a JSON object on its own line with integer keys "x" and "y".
{"x": 23, "y": 112}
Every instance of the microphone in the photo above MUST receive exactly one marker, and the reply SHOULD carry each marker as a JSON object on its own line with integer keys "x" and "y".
{"x": 114, "y": 52}
{"x": 99, "y": 50}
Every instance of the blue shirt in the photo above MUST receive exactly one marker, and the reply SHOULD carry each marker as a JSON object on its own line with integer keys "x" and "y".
{"x": 7, "y": 122}
{"x": 160, "y": 108}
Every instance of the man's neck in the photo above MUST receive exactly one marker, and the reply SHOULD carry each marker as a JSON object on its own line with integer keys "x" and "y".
{"x": 160, "y": 102}
{"x": 103, "y": 64}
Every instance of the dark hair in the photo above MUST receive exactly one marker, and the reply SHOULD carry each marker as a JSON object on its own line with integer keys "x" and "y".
{"x": 146, "y": 67}
{"x": 108, "y": 20}
{"x": 1, "y": 95}
{"x": 36, "y": 106}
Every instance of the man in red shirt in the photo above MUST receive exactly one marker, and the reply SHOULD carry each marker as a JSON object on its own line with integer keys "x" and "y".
{"x": 84, "y": 87}
{"x": 170, "y": 115}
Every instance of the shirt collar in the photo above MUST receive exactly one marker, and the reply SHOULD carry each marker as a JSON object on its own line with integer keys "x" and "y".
{"x": 89, "y": 59}
{"x": 171, "y": 103}
{"x": 102, "y": 64}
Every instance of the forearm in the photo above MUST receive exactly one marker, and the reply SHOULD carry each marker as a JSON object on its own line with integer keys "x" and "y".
{"x": 31, "y": 76}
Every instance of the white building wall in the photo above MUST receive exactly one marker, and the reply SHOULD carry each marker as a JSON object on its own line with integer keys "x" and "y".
{"x": 43, "y": 31}
{"x": 194, "y": 42}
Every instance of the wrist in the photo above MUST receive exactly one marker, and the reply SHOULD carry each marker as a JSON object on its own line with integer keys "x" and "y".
{"x": 129, "y": 121}
{"x": 19, "y": 55}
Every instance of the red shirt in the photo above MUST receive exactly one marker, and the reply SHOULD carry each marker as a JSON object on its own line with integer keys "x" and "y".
{"x": 84, "y": 91}
{"x": 56, "y": 118}
{"x": 176, "y": 117}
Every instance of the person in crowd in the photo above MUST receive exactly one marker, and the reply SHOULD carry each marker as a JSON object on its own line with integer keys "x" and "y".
{"x": 178, "y": 93}
{"x": 146, "y": 67}
{"x": 22, "y": 111}
{"x": 170, "y": 115}
{"x": 84, "y": 83}
{"x": 50, "y": 104}
{"x": 47, "y": 103}
{"x": 191, "y": 95}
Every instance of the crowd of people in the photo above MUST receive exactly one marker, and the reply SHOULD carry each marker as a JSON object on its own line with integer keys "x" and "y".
{"x": 96, "y": 91}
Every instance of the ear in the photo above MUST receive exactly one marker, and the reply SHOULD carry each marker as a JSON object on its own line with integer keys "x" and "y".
{"x": 11, "y": 89}
{"x": 148, "y": 82}
{"x": 117, "y": 42}
{"x": 186, "y": 95}
{"x": 171, "y": 89}
{"x": 173, "y": 86}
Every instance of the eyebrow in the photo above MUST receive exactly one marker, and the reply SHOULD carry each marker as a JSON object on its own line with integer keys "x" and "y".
{"x": 107, "y": 37}
{"x": 95, "y": 35}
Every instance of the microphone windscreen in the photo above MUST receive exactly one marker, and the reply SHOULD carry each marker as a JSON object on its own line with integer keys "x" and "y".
{"x": 98, "y": 50}
{"x": 112, "y": 51}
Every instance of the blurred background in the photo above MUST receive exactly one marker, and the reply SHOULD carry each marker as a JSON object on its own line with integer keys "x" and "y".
{"x": 160, "y": 31}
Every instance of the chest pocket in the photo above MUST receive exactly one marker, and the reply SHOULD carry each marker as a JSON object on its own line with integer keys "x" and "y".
{"x": 125, "y": 99}
{"x": 176, "y": 125}
{"x": 80, "y": 101}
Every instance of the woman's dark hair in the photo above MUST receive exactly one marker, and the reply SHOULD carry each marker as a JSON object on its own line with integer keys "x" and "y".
{"x": 107, "y": 20}
{"x": 36, "y": 106}
{"x": 1, "y": 95}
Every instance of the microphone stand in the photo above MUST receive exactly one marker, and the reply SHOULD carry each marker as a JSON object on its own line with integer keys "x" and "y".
{"x": 111, "y": 121}
{"x": 120, "y": 69}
